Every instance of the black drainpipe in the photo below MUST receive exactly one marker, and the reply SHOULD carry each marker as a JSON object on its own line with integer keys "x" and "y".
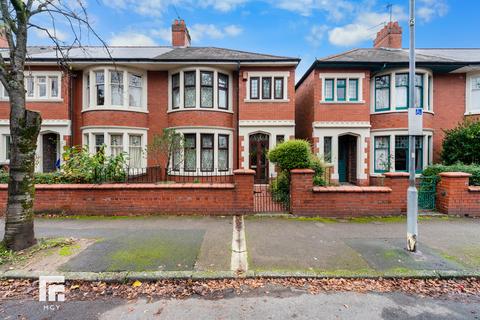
{"x": 238, "y": 114}
{"x": 71, "y": 97}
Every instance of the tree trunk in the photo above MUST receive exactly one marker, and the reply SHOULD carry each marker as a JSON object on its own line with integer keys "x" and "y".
{"x": 24, "y": 130}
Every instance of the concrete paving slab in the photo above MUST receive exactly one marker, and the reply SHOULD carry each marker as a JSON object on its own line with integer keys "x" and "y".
{"x": 163, "y": 249}
{"x": 390, "y": 254}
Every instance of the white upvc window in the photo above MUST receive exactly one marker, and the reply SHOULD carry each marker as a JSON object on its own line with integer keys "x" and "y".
{"x": 119, "y": 88}
{"x": 267, "y": 86}
{"x": 342, "y": 87}
{"x": 117, "y": 140}
{"x": 203, "y": 151}
{"x": 39, "y": 86}
{"x": 473, "y": 94}
{"x": 200, "y": 88}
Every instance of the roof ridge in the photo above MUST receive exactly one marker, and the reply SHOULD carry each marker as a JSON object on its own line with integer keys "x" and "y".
{"x": 338, "y": 54}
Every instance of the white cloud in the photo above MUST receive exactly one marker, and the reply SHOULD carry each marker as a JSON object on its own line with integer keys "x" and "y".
{"x": 201, "y": 31}
{"x": 316, "y": 34}
{"x": 131, "y": 39}
{"x": 335, "y": 9}
{"x": 163, "y": 33}
{"x": 223, "y": 5}
{"x": 429, "y": 9}
{"x": 364, "y": 27}
{"x": 58, "y": 34}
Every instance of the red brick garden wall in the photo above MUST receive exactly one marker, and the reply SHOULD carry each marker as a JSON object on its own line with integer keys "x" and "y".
{"x": 455, "y": 196}
{"x": 347, "y": 201}
{"x": 145, "y": 199}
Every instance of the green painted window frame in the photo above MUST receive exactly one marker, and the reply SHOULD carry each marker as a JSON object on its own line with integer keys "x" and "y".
{"x": 375, "y": 153}
{"x": 429, "y": 95}
{"x": 356, "y": 89}
{"x": 420, "y": 150}
{"x": 344, "y": 87}
{"x": 332, "y": 91}
{"x": 408, "y": 91}
{"x": 429, "y": 150}
{"x": 383, "y": 88}
{"x": 407, "y": 153}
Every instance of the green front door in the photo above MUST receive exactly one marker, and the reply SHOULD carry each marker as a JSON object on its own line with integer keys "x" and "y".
{"x": 342, "y": 160}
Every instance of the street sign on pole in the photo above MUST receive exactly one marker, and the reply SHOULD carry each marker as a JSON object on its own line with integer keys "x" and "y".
{"x": 415, "y": 128}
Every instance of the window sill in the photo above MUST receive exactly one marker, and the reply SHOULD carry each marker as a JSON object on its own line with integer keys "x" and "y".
{"x": 52, "y": 100}
{"x": 381, "y": 175}
{"x": 140, "y": 110}
{"x": 472, "y": 113}
{"x": 266, "y": 100}
{"x": 400, "y": 111}
{"x": 199, "y": 109}
{"x": 342, "y": 102}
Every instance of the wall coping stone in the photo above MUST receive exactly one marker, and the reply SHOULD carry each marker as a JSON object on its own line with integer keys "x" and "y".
{"x": 455, "y": 174}
{"x": 355, "y": 189}
{"x": 130, "y": 186}
{"x": 396, "y": 174}
{"x": 474, "y": 188}
{"x": 300, "y": 171}
{"x": 244, "y": 171}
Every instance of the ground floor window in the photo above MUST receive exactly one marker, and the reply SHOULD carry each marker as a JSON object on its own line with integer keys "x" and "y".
{"x": 327, "y": 149}
{"x": 418, "y": 154}
{"x": 382, "y": 154}
{"x": 401, "y": 153}
{"x": 135, "y": 151}
{"x": 8, "y": 143}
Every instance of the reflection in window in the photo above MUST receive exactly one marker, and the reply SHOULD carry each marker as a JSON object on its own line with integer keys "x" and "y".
{"x": 176, "y": 91}
{"x": 401, "y": 85}
{"x": 266, "y": 88}
{"x": 99, "y": 142}
{"x": 135, "y": 151}
{"x": 116, "y": 144}
{"x": 382, "y": 93}
{"x": 53, "y": 86}
{"x": 222, "y": 91}
{"x": 341, "y": 89}
{"x": 327, "y": 149}
{"x": 278, "y": 88}
{"x": 30, "y": 85}
{"x": 353, "y": 90}
{"x": 254, "y": 88}
{"x": 100, "y": 87}
{"x": 116, "y": 88}
{"x": 134, "y": 90}
{"x": 329, "y": 89}
{"x": 382, "y": 154}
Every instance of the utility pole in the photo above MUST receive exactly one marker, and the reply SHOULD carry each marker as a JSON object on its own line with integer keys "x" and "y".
{"x": 415, "y": 128}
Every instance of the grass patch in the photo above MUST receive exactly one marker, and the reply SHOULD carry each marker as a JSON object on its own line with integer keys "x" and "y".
{"x": 68, "y": 250}
{"x": 8, "y": 256}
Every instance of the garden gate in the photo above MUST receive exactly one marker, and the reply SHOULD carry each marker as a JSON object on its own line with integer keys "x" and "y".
{"x": 427, "y": 189}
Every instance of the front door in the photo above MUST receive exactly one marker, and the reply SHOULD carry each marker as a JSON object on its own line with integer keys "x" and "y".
{"x": 347, "y": 155}
{"x": 49, "y": 157}
{"x": 258, "y": 156}
{"x": 342, "y": 161}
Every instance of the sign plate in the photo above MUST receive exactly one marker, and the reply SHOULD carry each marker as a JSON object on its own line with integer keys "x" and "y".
{"x": 415, "y": 121}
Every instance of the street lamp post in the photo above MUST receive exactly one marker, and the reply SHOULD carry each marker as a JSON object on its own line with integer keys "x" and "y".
{"x": 415, "y": 128}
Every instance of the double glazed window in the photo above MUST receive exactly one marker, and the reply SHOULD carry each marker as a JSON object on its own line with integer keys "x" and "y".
{"x": 474, "y": 104}
{"x": 190, "y": 152}
{"x": 116, "y": 144}
{"x": 402, "y": 152}
{"x": 114, "y": 88}
{"x": 99, "y": 141}
{"x": 341, "y": 89}
{"x": 8, "y": 147}
{"x": 382, "y": 93}
{"x": 135, "y": 151}
{"x": 267, "y": 88}
{"x": 41, "y": 86}
{"x": 200, "y": 89}
{"x": 327, "y": 149}
{"x": 206, "y": 154}
{"x": 222, "y": 152}
{"x": 382, "y": 154}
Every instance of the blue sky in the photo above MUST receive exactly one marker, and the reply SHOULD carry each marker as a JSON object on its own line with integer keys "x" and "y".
{"x": 298, "y": 28}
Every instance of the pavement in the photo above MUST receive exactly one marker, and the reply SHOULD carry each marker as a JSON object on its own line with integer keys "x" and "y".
{"x": 180, "y": 246}
{"x": 274, "y": 304}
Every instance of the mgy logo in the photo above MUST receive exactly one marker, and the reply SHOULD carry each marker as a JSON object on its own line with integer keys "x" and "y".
{"x": 55, "y": 290}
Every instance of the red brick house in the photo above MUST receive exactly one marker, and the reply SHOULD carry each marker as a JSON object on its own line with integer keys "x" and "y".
{"x": 352, "y": 106}
{"x": 231, "y": 106}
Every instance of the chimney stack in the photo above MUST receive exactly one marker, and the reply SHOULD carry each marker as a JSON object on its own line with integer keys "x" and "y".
{"x": 389, "y": 37}
{"x": 180, "y": 34}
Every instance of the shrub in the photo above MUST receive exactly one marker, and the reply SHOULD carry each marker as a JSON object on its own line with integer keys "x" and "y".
{"x": 436, "y": 169}
{"x": 280, "y": 187}
{"x": 292, "y": 154}
{"x": 461, "y": 144}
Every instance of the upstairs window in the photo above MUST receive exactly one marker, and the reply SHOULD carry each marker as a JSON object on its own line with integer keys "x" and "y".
{"x": 189, "y": 79}
{"x": 176, "y": 91}
{"x": 53, "y": 86}
{"x": 30, "y": 86}
{"x": 206, "y": 89}
{"x": 266, "y": 88}
{"x": 116, "y": 88}
{"x": 329, "y": 87}
{"x": 382, "y": 93}
{"x": 134, "y": 90}
{"x": 353, "y": 90}
{"x": 343, "y": 90}
{"x": 401, "y": 85}
{"x": 418, "y": 91}
{"x": 475, "y": 94}
{"x": 100, "y": 88}
{"x": 40, "y": 85}
{"x": 222, "y": 91}
{"x": 278, "y": 88}
{"x": 254, "y": 88}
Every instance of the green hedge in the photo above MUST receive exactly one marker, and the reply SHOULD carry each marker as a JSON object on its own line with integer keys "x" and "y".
{"x": 461, "y": 144}
{"x": 474, "y": 170}
{"x": 42, "y": 178}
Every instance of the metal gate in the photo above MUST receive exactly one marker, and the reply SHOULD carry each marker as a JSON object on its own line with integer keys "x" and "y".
{"x": 266, "y": 202}
{"x": 427, "y": 189}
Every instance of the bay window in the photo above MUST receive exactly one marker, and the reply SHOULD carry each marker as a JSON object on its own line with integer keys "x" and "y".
{"x": 401, "y": 153}
{"x": 190, "y": 152}
{"x": 116, "y": 144}
{"x": 135, "y": 151}
{"x": 189, "y": 89}
{"x": 382, "y": 154}
{"x": 206, "y": 152}
{"x": 176, "y": 91}
{"x": 116, "y": 88}
{"x": 99, "y": 141}
{"x": 206, "y": 89}
{"x": 222, "y": 91}
{"x": 401, "y": 87}
{"x": 119, "y": 88}
{"x": 382, "y": 93}
{"x": 223, "y": 152}
{"x": 418, "y": 91}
